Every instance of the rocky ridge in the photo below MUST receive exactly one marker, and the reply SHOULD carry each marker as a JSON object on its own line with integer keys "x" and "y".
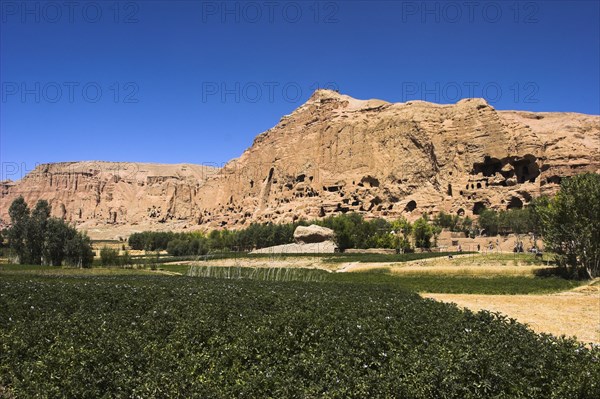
{"x": 335, "y": 154}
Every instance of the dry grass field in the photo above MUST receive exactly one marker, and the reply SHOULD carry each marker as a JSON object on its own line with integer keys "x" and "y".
{"x": 573, "y": 313}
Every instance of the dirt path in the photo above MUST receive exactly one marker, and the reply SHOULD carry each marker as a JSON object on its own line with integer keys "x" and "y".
{"x": 572, "y": 313}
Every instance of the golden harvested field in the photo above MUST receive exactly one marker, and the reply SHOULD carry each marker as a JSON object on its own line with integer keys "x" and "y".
{"x": 572, "y": 313}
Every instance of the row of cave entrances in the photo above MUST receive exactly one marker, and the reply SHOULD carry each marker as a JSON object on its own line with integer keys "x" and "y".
{"x": 480, "y": 206}
{"x": 524, "y": 169}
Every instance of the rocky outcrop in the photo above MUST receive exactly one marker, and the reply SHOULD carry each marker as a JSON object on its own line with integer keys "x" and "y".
{"x": 336, "y": 154}
{"x": 333, "y": 155}
{"x": 114, "y": 193}
{"x": 325, "y": 247}
{"x": 313, "y": 234}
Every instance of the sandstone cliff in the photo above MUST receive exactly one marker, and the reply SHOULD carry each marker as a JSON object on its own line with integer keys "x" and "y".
{"x": 112, "y": 193}
{"x": 336, "y": 154}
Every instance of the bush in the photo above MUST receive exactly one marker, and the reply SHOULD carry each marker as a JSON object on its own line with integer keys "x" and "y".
{"x": 126, "y": 259}
{"x": 109, "y": 256}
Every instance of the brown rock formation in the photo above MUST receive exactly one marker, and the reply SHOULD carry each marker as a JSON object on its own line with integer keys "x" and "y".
{"x": 112, "y": 193}
{"x": 336, "y": 154}
{"x": 312, "y": 234}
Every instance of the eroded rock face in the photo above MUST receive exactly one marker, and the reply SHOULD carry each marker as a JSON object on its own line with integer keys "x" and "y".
{"x": 107, "y": 193}
{"x": 332, "y": 155}
{"x": 336, "y": 154}
{"x": 313, "y": 234}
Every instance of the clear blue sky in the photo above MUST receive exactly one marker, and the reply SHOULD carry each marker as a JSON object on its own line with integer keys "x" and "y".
{"x": 196, "y": 81}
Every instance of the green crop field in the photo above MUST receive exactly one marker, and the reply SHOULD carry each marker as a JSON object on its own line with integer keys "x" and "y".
{"x": 415, "y": 281}
{"x": 123, "y": 336}
{"x": 497, "y": 285}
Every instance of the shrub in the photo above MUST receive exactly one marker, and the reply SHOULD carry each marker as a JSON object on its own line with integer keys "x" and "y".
{"x": 109, "y": 256}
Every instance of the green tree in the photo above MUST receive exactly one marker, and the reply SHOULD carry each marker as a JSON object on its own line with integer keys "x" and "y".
{"x": 37, "y": 238}
{"x": 78, "y": 251}
{"x": 446, "y": 221}
{"x": 402, "y": 226}
{"x": 488, "y": 221}
{"x": 350, "y": 229}
{"x": 402, "y": 229}
{"x": 36, "y": 227}
{"x": 178, "y": 247}
{"x": 215, "y": 240}
{"x": 3, "y": 234}
{"x": 422, "y": 233}
{"x": 19, "y": 218}
{"x": 466, "y": 226}
{"x": 538, "y": 206}
{"x": 571, "y": 224}
{"x": 56, "y": 235}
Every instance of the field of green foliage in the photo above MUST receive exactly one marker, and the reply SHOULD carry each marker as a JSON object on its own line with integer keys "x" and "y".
{"x": 415, "y": 281}
{"x": 156, "y": 336}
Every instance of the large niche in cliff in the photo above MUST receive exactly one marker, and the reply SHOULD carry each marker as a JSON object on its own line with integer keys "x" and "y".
{"x": 515, "y": 203}
{"x": 478, "y": 207}
{"x": 526, "y": 169}
{"x": 508, "y": 171}
{"x": 488, "y": 168}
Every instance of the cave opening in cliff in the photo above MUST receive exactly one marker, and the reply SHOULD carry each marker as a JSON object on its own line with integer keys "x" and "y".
{"x": 370, "y": 180}
{"x": 460, "y": 212}
{"x": 553, "y": 179}
{"x": 515, "y": 203}
{"x": 526, "y": 169}
{"x": 478, "y": 207}
{"x": 342, "y": 209}
{"x": 410, "y": 206}
{"x": 489, "y": 167}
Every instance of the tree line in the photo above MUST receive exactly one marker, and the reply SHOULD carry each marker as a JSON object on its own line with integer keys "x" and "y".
{"x": 36, "y": 238}
{"x": 352, "y": 230}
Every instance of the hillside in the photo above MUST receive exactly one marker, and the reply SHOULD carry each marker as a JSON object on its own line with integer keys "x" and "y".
{"x": 335, "y": 154}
